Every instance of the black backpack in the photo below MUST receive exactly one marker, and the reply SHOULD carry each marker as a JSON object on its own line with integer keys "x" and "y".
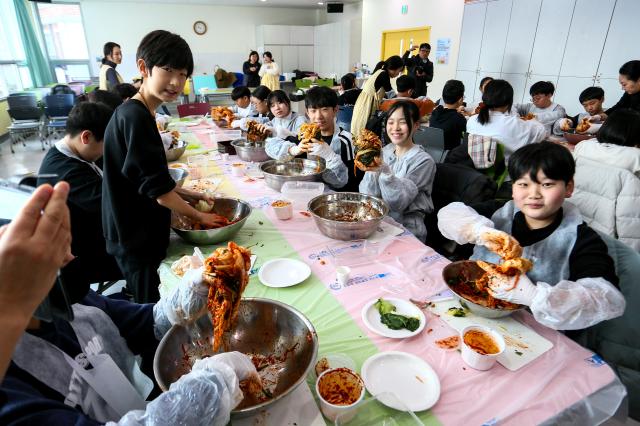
{"x": 376, "y": 124}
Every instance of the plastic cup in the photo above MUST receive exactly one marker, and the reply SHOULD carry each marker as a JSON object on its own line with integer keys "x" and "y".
{"x": 344, "y": 403}
{"x": 283, "y": 209}
{"x": 342, "y": 275}
{"x": 237, "y": 169}
{"x": 225, "y": 156}
{"x": 476, "y": 359}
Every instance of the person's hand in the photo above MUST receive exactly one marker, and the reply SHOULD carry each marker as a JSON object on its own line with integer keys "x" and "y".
{"x": 239, "y": 363}
{"x": 192, "y": 197}
{"x": 595, "y": 119}
{"x": 515, "y": 289}
{"x": 498, "y": 242}
{"x": 283, "y": 133}
{"x": 252, "y": 68}
{"x": 212, "y": 220}
{"x": 264, "y": 128}
{"x": 33, "y": 248}
{"x": 565, "y": 125}
{"x": 187, "y": 301}
{"x": 296, "y": 150}
{"x": 414, "y": 48}
{"x": 320, "y": 148}
{"x": 603, "y": 117}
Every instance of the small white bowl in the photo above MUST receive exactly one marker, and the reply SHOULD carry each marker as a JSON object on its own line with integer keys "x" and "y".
{"x": 475, "y": 359}
{"x": 346, "y": 412}
{"x": 283, "y": 212}
{"x": 237, "y": 169}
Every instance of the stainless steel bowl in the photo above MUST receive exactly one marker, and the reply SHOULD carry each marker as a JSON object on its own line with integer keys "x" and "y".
{"x": 178, "y": 175}
{"x": 231, "y": 208}
{"x": 276, "y": 173}
{"x": 368, "y": 211}
{"x": 250, "y": 151}
{"x": 470, "y": 270}
{"x": 265, "y": 327}
{"x": 174, "y": 153}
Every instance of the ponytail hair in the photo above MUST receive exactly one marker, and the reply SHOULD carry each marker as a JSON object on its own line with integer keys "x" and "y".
{"x": 497, "y": 94}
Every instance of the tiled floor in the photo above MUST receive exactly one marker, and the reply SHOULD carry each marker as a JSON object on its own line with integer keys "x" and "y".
{"x": 26, "y": 159}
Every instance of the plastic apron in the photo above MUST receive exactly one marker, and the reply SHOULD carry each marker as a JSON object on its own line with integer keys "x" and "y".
{"x": 104, "y": 381}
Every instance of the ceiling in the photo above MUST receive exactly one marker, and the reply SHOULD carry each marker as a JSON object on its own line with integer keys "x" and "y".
{"x": 309, "y": 4}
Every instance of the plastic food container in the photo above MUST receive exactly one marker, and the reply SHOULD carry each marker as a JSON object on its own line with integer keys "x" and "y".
{"x": 339, "y": 379}
{"x": 283, "y": 209}
{"x": 301, "y": 192}
{"x": 476, "y": 359}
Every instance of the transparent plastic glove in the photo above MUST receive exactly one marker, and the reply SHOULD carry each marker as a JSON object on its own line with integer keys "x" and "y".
{"x": 321, "y": 149}
{"x": 199, "y": 398}
{"x": 565, "y": 125}
{"x": 515, "y": 289}
{"x": 283, "y": 132}
{"x": 237, "y": 361}
{"x": 187, "y": 301}
{"x": 296, "y": 150}
{"x": 462, "y": 224}
{"x": 596, "y": 119}
{"x": 240, "y": 123}
{"x": 498, "y": 242}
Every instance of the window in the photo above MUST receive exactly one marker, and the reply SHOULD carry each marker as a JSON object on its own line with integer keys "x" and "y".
{"x": 65, "y": 42}
{"x": 14, "y": 75}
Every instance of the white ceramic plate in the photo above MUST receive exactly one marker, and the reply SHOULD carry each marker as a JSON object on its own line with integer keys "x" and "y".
{"x": 404, "y": 375}
{"x": 283, "y": 272}
{"x": 371, "y": 318}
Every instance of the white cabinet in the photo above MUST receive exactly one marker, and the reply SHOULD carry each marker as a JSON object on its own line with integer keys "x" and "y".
{"x": 519, "y": 83}
{"x": 300, "y": 35}
{"x": 624, "y": 32}
{"x": 568, "y": 92}
{"x": 551, "y": 36}
{"x": 612, "y": 90}
{"x": 471, "y": 36}
{"x": 469, "y": 79}
{"x": 285, "y": 41}
{"x": 586, "y": 37}
{"x": 494, "y": 36}
{"x": 522, "y": 32}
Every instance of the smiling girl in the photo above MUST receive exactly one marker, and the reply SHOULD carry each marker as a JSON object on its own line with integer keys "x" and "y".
{"x": 405, "y": 179}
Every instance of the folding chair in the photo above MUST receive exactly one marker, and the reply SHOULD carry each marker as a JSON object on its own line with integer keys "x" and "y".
{"x": 201, "y": 108}
{"x": 56, "y": 109}
{"x": 432, "y": 140}
{"x": 25, "y": 118}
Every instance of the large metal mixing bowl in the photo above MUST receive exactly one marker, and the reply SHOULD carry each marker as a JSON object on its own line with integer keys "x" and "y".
{"x": 368, "y": 211}
{"x": 178, "y": 175}
{"x": 276, "y": 173}
{"x": 176, "y": 152}
{"x": 470, "y": 270}
{"x": 250, "y": 151}
{"x": 265, "y": 327}
{"x": 231, "y": 208}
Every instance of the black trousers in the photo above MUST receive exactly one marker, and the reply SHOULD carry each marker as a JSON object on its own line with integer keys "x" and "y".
{"x": 142, "y": 278}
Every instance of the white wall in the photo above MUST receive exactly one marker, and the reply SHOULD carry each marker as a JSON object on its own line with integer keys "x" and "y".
{"x": 443, "y": 16}
{"x": 229, "y": 38}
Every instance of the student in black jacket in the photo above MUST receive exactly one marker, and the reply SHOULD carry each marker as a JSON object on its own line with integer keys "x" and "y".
{"x": 72, "y": 159}
{"x": 350, "y": 91}
{"x": 138, "y": 194}
{"x": 420, "y": 67}
{"x": 447, "y": 117}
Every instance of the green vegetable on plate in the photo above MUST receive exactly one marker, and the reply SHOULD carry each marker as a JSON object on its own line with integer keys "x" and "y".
{"x": 395, "y": 321}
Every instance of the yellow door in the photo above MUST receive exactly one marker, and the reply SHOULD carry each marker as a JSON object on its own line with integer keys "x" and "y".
{"x": 396, "y": 42}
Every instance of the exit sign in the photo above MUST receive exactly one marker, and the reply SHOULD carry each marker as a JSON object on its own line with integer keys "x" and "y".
{"x": 405, "y": 9}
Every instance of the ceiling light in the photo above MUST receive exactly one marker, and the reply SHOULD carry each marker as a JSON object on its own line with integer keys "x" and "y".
{"x": 320, "y": 3}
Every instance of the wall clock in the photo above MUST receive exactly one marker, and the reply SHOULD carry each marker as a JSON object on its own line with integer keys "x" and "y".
{"x": 199, "y": 27}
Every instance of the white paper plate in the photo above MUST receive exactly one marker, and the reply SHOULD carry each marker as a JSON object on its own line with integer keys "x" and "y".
{"x": 371, "y": 318}
{"x": 404, "y": 375}
{"x": 283, "y": 272}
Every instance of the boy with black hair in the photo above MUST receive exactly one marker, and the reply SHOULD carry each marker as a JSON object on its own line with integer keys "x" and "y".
{"x": 591, "y": 99}
{"x": 242, "y": 97}
{"x": 334, "y": 145}
{"x": 571, "y": 284}
{"x": 406, "y": 88}
{"x": 447, "y": 117}
{"x": 545, "y": 110}
{"x": 138, "y": 194}
{"x": 73, "y": 159}
{"x": 350, "y": 91}
{"x": 124, "y": 90}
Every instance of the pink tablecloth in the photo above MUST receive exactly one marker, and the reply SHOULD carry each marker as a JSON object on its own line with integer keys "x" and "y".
{"x": 405, "y": 267}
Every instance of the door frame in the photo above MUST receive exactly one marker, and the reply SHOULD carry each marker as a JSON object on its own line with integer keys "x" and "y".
{"x": 400, "y": 30}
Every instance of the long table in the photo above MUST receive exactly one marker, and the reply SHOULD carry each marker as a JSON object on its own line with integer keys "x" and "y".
{"x": 568, "y": 384}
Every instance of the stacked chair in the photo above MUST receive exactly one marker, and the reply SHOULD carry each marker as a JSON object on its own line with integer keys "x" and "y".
{"x": 25, "y": 118}
{"x": 56, "y": 109}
